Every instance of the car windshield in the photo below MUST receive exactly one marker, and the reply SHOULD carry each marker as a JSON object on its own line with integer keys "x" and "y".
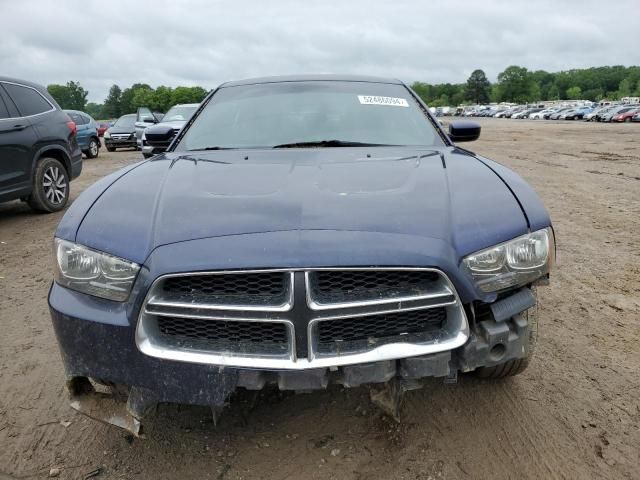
{"x": 126, "y": 121}
{"x": 178, "y": 113}
{"x": 310, "y": 113}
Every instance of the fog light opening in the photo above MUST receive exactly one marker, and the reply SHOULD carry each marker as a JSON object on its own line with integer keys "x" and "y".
{"x": 497, "y": 352}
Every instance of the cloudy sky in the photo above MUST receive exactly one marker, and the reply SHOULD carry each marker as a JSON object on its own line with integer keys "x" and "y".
{"x": 160, "y": 42}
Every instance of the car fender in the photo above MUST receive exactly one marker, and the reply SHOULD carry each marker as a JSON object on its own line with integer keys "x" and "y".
{"x": 42, "y": 151}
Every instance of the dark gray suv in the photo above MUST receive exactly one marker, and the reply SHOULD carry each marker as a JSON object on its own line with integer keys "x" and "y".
{"x": 39, "y": 151}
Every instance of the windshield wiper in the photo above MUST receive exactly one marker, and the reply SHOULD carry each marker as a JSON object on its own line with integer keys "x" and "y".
{"x": 329, "y": 143}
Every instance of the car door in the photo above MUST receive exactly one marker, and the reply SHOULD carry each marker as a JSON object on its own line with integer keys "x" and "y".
{"x": 18, "y": 138}
{"x": 144, "y": 118}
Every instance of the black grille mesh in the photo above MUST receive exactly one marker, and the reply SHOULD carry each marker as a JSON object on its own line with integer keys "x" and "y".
{"x": 380, "y": 326}
{"x": 223, "y": 332}
{"x": 354, "y": 285}
{"x": 268, "y": 288}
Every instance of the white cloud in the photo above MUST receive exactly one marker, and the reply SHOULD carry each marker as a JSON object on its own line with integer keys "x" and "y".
{"x": 204, "y": 43}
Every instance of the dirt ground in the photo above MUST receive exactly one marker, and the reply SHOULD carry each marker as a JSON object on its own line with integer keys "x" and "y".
{"x": 575, "y": 413}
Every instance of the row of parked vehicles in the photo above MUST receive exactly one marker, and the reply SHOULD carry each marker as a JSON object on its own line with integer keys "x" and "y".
{"x": 41, "y": 145}
{"x": 128, "y": 130}
{"x": 588, "y": 112}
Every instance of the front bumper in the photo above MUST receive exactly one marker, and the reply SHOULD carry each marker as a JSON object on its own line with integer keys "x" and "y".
{"x": 102, "y": 347}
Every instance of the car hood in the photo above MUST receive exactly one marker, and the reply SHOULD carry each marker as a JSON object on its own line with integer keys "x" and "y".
{"x": 444, "y": 194}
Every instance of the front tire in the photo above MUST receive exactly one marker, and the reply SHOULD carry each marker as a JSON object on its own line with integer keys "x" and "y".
{"x": 50, "y": 186}
{"x": 94, "y": 148}
{"x": 515, "y": 366}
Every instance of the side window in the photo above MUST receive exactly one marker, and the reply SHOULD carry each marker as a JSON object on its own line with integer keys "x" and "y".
{"x": 4, "y": 113}
{"x": 77, "y": 118}
{"x": 28, "y": 100}
{"x": 84, "y": 119}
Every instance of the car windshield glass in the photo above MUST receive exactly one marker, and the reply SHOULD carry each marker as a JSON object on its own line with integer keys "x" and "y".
{"x": 179, "y": 113}
{"x": 310, "y": 113}
{"x": 127, "y": 121}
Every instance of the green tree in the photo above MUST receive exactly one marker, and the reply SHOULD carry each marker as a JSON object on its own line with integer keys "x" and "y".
{"x": 95, "y": 110}
{"x": 112, "y": 104}
{"x": 516, "y": 84}
{"x": 574, "y": 93}
{"x": 161, "y": 99}
{"x": 553, "y": 93}
{"x": 187, "y": 95}
{"x": 478, "y": 88}
{"x": 70, "y": 96}
{"x": 624, "y": 88}
{"x": 127, "y": 104}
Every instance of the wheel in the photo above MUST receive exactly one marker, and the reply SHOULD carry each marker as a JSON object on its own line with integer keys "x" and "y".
{"x": 111, "y": 149}
{"x": 516, "y": 365}
{"x": 50, "y": 186}
{"x": 94, "y": 148}
{"x": 627, "y": 120}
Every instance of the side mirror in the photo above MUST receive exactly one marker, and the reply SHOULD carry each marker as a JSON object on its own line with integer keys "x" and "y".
{"x": 464, "y": 131}
{"x": 150, "y": 120}
{"x": 159, "y": 137}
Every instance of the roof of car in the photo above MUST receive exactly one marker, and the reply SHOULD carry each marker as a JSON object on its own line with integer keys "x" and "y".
{"x": 22, "y": 82}
{"x": 309, "y": 78}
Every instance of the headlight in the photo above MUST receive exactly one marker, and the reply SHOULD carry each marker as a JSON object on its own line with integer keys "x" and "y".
{"x": 516, "y": 262}
{"x": 107, "y": 134}
{"x": 89, "y": 271}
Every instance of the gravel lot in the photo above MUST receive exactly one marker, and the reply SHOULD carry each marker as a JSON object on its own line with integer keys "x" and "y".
{"x": 575, "y": 413}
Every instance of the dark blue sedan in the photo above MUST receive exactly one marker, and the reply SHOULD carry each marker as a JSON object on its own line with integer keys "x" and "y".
{"x": 298, "y": 231}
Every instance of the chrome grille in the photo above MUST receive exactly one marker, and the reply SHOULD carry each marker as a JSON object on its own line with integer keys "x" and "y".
{"x": 379, "y": 327}
{"x": 200, "y": 332}
{"x": 339, "y": 286}
{"x": 121, "y": 136}
{"x": 257, "y": 289}
{"x": 340, "y": 317}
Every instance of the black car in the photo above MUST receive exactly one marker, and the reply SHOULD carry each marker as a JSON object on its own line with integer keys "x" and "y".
{"x": 39, "y": 151}
{"x": 121, "y": 134}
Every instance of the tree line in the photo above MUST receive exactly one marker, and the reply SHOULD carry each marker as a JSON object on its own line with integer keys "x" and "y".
{"x": 519, "y": 85}
{"x": 73, "y": 96}
{"x": 514, "y": 84}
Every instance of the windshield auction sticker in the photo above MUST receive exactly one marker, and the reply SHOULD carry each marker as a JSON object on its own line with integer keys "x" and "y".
{"x": 391, "y": 101}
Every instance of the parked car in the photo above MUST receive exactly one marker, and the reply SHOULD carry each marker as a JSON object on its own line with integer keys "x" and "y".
{"x": 626, "y": 114}
{"x": 577, "y": 113}
{"x": 527, "y": 112}
{"x": 39, "y": 151}
{"x": 144, "y": 118}
{"x": 122, "y": 134}
{"x": 299, "y": 231}
{"x": 591, "y": 116}
{"x": 611, "y": 112}
{"x": 556, "y": 115}
{"x": 520, "y": 113}
{"x": 102, "y": 127}
{"x": 87, "y": 135}
{"x": 636, "y": 117}
{"x": 176, "y": 117}
{"x": 539, "y": 115}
